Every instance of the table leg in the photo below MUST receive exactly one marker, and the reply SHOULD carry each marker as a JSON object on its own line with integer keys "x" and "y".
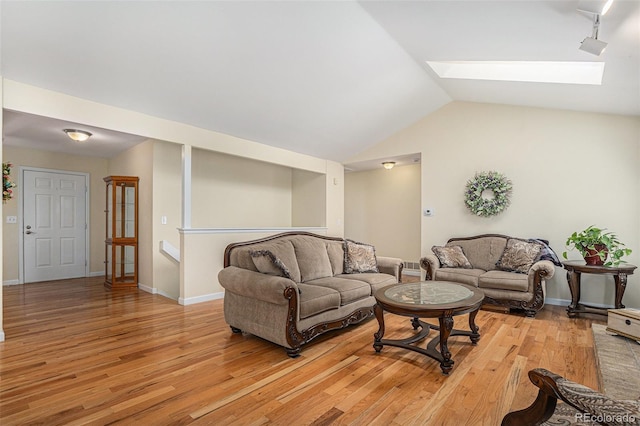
{"x": 415, "y": 322}
{"x": 377, "y": 337}
{"x": 573, "y": 278}
{"x": 475, "y": 330}
{"x": 446, "y": 325}
{"x": 621, "y": 285}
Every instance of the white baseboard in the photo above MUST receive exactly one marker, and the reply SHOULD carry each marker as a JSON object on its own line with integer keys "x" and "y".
{"x": 96, "y": 274}
{"x": 154, "y": 290}
{"x": 564, "y": 302}
{"x": 411, "y": 272}
{"x": 11, "y": 282}
{"x": 200, "y": 299}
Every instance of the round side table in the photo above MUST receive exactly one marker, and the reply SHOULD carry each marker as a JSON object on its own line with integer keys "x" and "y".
{"x": 574, "y": 271}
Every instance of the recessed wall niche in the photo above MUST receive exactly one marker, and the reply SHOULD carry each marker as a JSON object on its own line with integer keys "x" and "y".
{"x": 236, "y": 192}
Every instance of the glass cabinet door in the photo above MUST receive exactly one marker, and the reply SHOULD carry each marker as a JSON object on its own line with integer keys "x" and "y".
{"x": 121, "y": 243}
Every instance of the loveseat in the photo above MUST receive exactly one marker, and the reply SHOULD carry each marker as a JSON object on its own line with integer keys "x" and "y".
{"x": 512, "y": 272}
{"x": 291, "y": 287}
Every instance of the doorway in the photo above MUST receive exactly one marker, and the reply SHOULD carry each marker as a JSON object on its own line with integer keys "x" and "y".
{"x": 54, "y": 237}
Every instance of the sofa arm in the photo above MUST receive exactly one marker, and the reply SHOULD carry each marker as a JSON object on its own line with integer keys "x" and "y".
{"x": 544, "y": 267}
{"x": 391, "y": 265}
{"x": 585, "y": 400}
{"x": 430, "y": 263}
{"x": 268, "y": 288}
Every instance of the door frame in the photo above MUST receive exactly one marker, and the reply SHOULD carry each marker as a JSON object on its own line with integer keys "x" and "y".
{"x": 87, "y": 181}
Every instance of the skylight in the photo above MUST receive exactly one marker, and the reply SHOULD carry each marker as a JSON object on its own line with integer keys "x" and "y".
{"x": 527, "y": 71}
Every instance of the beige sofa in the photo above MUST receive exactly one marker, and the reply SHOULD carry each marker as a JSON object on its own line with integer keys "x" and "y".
{"x": 524, "y": 290}
{"x": 290, "y": 288}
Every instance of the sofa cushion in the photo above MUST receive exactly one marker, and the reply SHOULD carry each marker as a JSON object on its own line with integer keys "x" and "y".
{"x": 312, "y": 257}
{"x": 459, "y": 275}
{"x": 504, "y": 280}
{"x": 451, "y": 257}
{"x": 518, "y": 256}
{"x": 281, "y": 249}
{"x": 350, "y": 290}
{"x": 267, "y": 263}
{"x": 484, "y": 252}
{"x": 359, "y": 257}
{"x": 375, "y": 280}
{"x": 317, "y": 299}
{"x": 335, "y": 250}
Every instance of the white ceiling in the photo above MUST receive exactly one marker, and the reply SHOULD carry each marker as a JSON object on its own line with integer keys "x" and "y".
{"x": 324, "y": 78}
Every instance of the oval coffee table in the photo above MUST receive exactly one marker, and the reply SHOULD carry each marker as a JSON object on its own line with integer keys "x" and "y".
{"x": 429, "y": 299}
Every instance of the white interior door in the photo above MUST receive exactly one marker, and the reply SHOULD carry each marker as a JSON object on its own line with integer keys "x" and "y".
{"x": 54, "y": 225}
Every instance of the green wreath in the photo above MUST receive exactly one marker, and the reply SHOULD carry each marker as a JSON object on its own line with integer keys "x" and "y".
{"x": 494, "y": 182}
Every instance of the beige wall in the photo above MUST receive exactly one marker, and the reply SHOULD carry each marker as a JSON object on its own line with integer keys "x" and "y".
{"x": 138, "y": 161}
{"x": 308, "y": 192}
{"x": 335, "y": 199}
{"x": 167, "y": 190}
{"x": 382, "y": 207}
{"x": 95, "y": 167}
{"x": 569, "y": 170}
{"x": 235, "y": 192}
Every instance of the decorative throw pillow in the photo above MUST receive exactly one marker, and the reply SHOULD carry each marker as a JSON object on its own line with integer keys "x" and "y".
{"x": 359, "y": 258}
{"x": 267, "y": 263}
{"x": 451, "y": 257}
{"x": 546, "y": 253}
{"x": 518, "y": 256}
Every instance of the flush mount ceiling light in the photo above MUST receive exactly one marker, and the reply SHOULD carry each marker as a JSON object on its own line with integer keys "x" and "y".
{"x": 522, "y": 71}
{"x": 388, "y": 164}
{"x": 77, "y": 135}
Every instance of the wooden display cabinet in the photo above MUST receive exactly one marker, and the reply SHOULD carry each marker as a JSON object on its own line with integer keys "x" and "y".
{"x": 121, "y": 243}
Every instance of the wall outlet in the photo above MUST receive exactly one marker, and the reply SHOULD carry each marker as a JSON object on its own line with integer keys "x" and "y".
{"x": 12, "y": 219}
{"x": 163, "y": 220}
{"x": 428, "y": 212}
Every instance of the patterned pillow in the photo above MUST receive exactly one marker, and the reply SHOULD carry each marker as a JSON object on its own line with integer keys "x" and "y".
{"x": 451, "y": 257}
{"x": 359, "y": 258}
{"x": 267, "y": 263}
{"x": 518, "y": 256}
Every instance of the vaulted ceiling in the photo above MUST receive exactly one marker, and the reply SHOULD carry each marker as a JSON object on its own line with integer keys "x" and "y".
{"x": 324, "y": 78}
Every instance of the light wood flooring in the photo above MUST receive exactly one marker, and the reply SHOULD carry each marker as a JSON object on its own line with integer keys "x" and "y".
{"x": 77, "y": 354}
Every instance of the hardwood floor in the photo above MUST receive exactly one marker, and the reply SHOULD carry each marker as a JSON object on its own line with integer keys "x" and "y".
{"x": 77, "y": 354}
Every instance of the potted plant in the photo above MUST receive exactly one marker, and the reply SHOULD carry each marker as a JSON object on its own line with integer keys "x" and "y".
{"x": 598, "y": 247}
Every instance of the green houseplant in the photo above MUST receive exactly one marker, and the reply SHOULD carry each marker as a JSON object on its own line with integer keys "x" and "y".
{"x": 597, "y": 246}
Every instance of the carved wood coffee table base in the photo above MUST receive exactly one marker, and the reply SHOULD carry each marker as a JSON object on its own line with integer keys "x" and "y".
{"x": 431, "y": 299}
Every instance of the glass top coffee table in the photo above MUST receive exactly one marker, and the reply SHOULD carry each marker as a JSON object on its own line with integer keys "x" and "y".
{"x": 429, "y": 299}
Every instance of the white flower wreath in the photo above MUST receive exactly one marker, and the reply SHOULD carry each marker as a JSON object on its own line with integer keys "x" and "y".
{"x": 488, "y": 181}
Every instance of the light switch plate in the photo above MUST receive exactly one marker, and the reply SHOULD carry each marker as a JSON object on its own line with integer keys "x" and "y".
{"x": 12, "y": 219}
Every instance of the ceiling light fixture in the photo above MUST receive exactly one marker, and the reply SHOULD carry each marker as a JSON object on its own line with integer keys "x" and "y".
{"x": 592, "y": 44}
{"x": 77, "y": 135}
{"x": 388, "y": 164}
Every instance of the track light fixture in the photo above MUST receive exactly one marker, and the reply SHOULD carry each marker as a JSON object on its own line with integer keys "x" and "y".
{"x": 592, "y": 44}
{"x": 597, "y": 8}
